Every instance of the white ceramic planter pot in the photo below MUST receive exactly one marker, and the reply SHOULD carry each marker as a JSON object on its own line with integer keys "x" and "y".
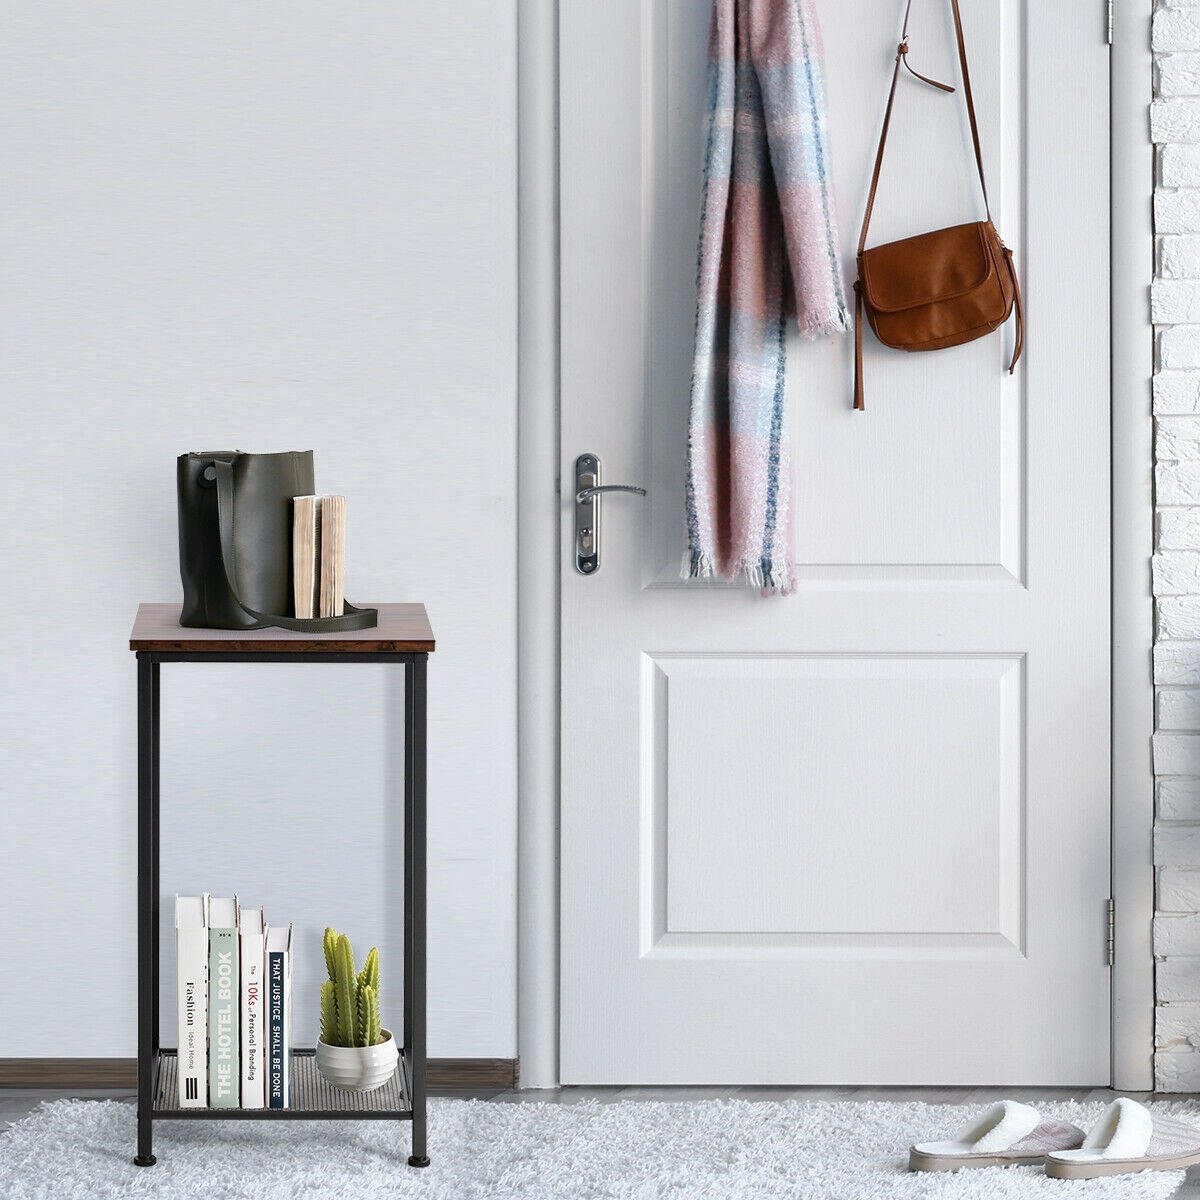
{"x": 358, "y": 1068}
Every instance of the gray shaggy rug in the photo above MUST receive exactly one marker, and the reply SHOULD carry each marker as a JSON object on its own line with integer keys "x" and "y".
{"x": 632, "y": 1150}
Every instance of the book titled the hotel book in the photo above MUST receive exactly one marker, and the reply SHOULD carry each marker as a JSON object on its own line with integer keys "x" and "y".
{"x": 223, "y": 1036}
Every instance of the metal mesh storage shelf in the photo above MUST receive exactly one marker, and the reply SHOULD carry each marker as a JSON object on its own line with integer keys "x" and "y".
{"x": 311, "y": 1097}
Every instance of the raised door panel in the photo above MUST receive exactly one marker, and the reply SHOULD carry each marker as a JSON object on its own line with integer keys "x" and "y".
{"x": 833, "y": 803}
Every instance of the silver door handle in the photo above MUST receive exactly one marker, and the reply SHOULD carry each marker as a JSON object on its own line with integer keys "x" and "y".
{"x": 588, "y": 490}
{"x": 585, "y": 494}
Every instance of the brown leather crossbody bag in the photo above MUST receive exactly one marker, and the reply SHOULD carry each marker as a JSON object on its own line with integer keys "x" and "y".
{"x": 937, "y": 289}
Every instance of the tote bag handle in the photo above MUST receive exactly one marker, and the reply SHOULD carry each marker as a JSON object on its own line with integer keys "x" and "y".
{"x": 354, "y": 618}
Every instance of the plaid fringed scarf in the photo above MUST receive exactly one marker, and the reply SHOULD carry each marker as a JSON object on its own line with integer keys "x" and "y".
{"x": 768, "y": 246}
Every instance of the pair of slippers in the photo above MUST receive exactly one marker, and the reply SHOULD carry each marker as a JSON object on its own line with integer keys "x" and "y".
{"x": 1126, "y": 1139}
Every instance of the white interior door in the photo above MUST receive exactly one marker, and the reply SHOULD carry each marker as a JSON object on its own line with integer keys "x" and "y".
{"x": 858, "y": 835}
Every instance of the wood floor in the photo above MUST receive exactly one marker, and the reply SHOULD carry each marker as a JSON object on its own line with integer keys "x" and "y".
{"x": 17, "y": 1102}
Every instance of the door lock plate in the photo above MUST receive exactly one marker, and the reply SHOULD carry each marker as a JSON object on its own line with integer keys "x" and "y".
{"x": 587, "y": 515}
{"x": 588, "y": 490}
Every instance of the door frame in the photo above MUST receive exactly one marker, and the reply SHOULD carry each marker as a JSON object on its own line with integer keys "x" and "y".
{"x": 1131, "y": 155}
{"x": 538, "y": 540}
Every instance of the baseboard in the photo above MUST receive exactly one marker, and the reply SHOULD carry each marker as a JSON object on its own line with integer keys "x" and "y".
{"x": 68, "y": 1072}
{"x": 475, "y": 1073}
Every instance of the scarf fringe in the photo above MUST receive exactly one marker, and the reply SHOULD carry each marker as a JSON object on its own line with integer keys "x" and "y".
{"x": 698, "y": 565}
{"x": 771, "y": 577}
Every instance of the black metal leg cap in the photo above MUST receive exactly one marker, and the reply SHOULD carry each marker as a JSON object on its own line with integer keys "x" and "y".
{"x": 145, "y": 1160}
{"x": 418, "y": 1160}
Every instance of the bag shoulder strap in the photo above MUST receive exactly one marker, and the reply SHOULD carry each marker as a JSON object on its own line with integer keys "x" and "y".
{"x": 902, "y": 59}
{"x": 354, "y": 618}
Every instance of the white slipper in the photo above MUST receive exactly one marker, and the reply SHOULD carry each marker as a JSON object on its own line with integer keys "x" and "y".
{"x": 1129, "y": 1138}
{"x": 1006, "y": 1134}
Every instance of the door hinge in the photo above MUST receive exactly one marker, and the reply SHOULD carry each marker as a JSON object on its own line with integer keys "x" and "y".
{"x": 1111, "y": 940}
{"x": 1110, "y": 21}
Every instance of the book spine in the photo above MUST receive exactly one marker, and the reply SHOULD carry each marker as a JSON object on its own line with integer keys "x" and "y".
{"x": 223, "y": 1018}
{"x": 287, "y": 1027}
{"x": 253, "y": 1007}
{"x": 191, "y": 950}
{"x": 276, "y": 1030}
{"x": 305, "y": 555}
{"x": 333, "y": 556}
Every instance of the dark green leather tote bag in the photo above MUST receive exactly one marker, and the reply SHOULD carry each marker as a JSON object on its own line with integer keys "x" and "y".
{"x": 235, "y": 542}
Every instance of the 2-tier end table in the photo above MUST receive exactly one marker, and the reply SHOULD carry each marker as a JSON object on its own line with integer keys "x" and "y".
{"x": 403, "y": 636}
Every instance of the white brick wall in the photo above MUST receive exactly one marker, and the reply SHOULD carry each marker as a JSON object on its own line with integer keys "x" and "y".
{"x": 1175, "y": 304}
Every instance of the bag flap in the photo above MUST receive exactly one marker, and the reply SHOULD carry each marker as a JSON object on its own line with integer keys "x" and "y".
{"x": 925, "y": 269}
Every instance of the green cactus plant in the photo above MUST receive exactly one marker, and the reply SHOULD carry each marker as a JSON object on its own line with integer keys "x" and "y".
{"x": 368, "y": 1016}
{"x": 345, "y": 987}
{"x": 330, "y": 943}
{"x": 369, "y": 975}
{"x": 329, "y": 1031}
{"x": 349, "y": 1001}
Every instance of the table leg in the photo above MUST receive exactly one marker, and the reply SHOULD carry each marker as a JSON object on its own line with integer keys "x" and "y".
{"x": 414, "y": 896}
{"x": 156, "y": 891}
{"x": 147, "y": 900}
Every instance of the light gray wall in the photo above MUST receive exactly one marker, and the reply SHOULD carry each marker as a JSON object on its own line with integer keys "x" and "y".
{"x": 286, "y": 224}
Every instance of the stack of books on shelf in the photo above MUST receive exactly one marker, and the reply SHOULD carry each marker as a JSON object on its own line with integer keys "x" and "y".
{"x": 235, "y": 993}
{"x": 319, "y": 555}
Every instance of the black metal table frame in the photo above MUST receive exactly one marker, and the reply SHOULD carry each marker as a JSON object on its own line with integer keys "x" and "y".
{"x": 412, "y": 1063}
